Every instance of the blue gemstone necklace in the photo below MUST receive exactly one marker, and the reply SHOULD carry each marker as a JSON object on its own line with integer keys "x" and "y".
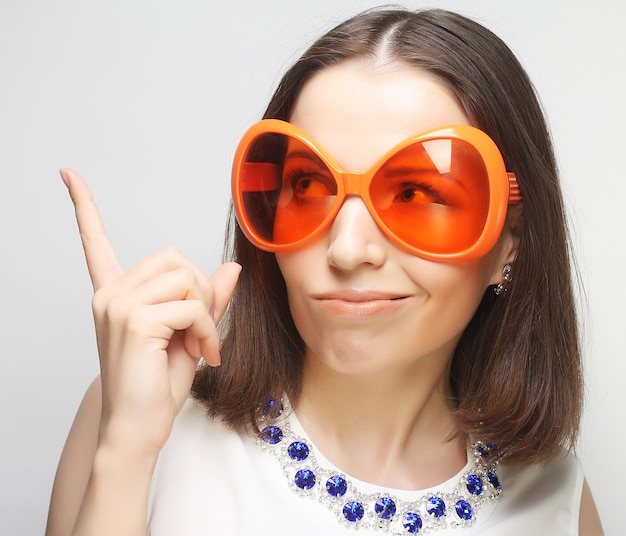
{"x": 456, "y": 507}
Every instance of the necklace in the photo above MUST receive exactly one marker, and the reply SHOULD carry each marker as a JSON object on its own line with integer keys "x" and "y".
{"x": 382, "y": 511}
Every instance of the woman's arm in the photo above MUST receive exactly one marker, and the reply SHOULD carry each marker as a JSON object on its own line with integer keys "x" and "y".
{"x": 75, "y": 464}
{"x": 153, "y": 322}
{"x": 96, "y": 482}
{"x": 589, "y": 523}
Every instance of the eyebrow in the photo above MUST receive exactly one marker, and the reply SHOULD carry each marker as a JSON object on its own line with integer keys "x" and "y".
{"x": 406, "y": 171}
{"x": 307, "y": 155}
{"x": 392, "y": 172}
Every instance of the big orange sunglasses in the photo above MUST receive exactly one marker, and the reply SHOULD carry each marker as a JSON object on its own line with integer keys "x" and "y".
{"x": 442, "y": 195}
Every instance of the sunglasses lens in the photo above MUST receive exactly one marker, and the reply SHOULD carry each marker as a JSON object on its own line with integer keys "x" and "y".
{"x": 433, "y": 195}
{"x": 286, "y": 189}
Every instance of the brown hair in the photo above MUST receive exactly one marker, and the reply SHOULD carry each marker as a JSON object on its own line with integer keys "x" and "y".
{"x": 516, "y": 373}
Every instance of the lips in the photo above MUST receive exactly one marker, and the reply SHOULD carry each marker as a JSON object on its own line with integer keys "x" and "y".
{"x": 360, "y": 303}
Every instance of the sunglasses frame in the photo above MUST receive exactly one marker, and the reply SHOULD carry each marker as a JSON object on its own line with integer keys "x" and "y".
{"x": 503, "y": 187}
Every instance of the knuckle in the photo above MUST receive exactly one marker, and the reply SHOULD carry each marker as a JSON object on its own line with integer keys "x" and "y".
{"x": 199, "y": 308}
{"x": 117, "y": 309}
{"x": 99, "y": 303}
{"x": 200, "y": 315}
{"x": 172, "y": 255}
{"x": 208, "y": 291}
{"x": 192, "y": 309}
{"x": 207, "y": 288}
{"x": 186, "y": 276}
{"x": 134, "y": 321}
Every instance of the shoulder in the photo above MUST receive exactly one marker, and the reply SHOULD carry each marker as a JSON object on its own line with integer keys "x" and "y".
{"x": 195, "y": 434}
{"x": 199, "y": 474}
{"x": 213, "y": 479}
{"x": 541, "y": 498}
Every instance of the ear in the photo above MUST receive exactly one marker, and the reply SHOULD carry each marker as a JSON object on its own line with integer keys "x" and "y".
{"x": 509, "y": 241}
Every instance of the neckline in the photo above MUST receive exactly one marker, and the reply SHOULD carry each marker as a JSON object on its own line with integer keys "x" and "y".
{"x": 457, "y": 502}
{"x": 298, "y": 430}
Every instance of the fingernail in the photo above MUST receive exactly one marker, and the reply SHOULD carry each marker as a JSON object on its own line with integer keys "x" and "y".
{"x": 218, "y": 361}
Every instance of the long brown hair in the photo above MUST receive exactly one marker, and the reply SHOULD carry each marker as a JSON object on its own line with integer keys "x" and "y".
{"x": 516, "y": 373}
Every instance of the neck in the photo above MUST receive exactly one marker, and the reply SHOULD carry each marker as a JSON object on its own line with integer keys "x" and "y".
{"x": 393, "y": 429}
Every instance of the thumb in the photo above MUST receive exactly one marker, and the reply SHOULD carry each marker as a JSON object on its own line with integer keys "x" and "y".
{"x": 224, "y": 282}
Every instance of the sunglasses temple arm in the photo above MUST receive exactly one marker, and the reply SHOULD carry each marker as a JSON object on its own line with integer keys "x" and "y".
{"x": 515, "y": 195}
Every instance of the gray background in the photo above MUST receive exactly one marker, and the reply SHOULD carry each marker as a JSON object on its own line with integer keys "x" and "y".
{"x": 147, "y": 99}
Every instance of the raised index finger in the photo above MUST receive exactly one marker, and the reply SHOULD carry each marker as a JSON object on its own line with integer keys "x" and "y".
{"x": 101, "y": 259}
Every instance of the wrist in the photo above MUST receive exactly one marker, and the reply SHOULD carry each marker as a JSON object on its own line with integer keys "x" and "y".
{"x": 116, "y": 499}
{"x": 124, "y": 458}
{"x": 124, "y": 442}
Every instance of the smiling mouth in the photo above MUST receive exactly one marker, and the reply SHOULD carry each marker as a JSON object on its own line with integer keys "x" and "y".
{"x": 360, "y": 295}
{"x": 361, "y": 304}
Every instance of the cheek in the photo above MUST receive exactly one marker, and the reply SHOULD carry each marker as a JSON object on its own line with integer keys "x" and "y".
{"x": 458, "y": 287}
{"x": 483, "y": 272}
{"x": 454, "y": 294}
{"x": 298, "y": 271}
{"x": 289, "y": 267}
{"x": 477, "y": 274}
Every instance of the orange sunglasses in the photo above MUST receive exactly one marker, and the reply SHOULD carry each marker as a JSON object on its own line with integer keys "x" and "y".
{"x": 441, "y": 195}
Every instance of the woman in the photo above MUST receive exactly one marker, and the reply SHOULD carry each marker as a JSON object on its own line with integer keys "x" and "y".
{"x": 400, "y": 353}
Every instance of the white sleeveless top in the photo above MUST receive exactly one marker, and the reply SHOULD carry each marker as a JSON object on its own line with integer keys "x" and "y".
{"x": 210, "y": 480}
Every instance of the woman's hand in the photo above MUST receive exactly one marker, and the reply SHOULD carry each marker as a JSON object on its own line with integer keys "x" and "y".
{"x": 153, "y": 323}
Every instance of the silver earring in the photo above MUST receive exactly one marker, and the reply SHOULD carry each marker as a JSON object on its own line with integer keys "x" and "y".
{"x": 500, "y": 288}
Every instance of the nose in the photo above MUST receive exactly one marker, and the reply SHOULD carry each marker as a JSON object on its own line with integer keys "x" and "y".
{"x": 354, "y": 238}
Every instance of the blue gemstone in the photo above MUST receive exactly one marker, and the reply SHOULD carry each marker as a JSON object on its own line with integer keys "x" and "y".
{"x": 495, "y": 481}
{"x": 353, "y": 511}
{"x": 272, "y": 435}
{"x": 298, "y": 451}
{"x": 482, "y": 451}
{"x": 273, "y": 409}
{"x": 412, "y": 522}
{"x": 436, "y": 507}
{"x": 464, "y": 510}
{"x": 474, "y": 484}
{"x": 385, "y": 508}
{"x": 336, "y": 486}
{"x": 305, "y": 479}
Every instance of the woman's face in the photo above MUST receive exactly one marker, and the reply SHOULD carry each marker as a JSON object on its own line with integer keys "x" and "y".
{"x": 362, "y": 305}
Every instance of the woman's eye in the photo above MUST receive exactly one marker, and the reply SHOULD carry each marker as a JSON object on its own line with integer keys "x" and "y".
{"x": 308, "y": 185}
{"x": 302, "y": 185}
{"x": 417, "y": 193}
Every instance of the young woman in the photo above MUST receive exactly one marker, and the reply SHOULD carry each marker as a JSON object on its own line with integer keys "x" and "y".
{"x": 400, "y": 350}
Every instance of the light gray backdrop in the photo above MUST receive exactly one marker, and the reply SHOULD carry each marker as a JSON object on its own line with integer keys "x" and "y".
{"x": 147, "y": 100}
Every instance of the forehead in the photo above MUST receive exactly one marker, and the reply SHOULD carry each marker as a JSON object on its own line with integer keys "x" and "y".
{"x": 357, "y": 112}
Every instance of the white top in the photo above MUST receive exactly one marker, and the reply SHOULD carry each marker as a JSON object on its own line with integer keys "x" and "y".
{"x": 210, "y": 480}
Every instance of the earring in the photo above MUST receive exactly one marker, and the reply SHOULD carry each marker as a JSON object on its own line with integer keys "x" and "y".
{"x": 500, "y": 288}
